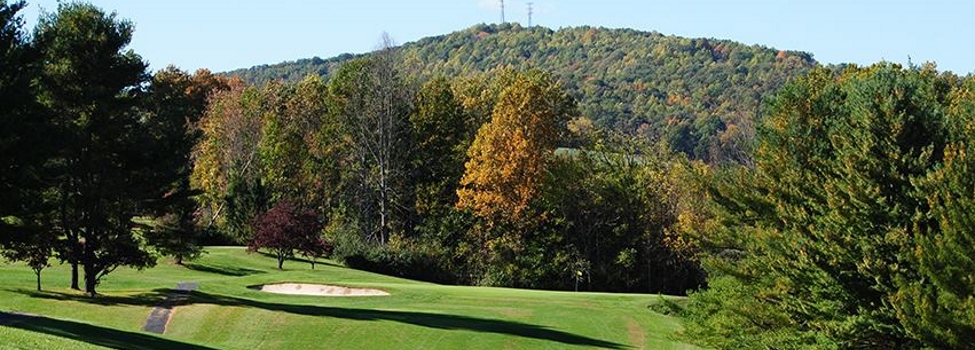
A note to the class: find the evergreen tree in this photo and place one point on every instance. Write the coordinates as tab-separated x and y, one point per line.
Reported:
94	88
15	91
938	305
828	219
25	145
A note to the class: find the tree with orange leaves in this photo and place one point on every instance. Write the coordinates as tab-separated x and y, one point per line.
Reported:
507	160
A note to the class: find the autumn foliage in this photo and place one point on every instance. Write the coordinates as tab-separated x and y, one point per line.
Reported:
508	157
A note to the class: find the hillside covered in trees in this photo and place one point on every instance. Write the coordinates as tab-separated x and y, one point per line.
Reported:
839	219
699	96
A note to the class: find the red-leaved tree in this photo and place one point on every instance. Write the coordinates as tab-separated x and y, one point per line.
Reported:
313	249
286	228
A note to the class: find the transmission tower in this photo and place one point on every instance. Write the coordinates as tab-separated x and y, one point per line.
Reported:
502	11
530	15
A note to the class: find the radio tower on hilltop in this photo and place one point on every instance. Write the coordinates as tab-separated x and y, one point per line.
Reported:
502	11
529	15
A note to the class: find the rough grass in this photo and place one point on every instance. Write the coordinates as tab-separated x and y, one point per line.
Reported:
225	314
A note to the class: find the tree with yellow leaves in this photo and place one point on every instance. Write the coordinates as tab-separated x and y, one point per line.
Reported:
507	160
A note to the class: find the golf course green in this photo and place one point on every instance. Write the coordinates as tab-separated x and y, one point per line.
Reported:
223	313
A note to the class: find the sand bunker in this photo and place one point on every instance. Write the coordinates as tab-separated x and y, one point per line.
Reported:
317	289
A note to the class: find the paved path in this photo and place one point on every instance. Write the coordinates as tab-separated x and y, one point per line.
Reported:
159	317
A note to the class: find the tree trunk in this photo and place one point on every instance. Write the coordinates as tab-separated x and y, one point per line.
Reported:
383	188
649	272
89	266
38	273
76	252
382	216
90	281
72	240
280	261
179	259
74	275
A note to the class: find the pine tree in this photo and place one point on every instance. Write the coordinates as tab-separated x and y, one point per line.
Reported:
26	145
815	237
938	304
94	86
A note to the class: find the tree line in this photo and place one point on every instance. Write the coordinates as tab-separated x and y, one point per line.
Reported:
452	180
699	96
449	180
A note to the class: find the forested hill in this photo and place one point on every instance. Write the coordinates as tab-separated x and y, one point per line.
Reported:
698	95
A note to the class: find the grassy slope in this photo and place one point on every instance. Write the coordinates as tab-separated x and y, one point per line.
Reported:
225	314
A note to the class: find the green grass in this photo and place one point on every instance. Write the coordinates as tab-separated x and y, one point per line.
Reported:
225	314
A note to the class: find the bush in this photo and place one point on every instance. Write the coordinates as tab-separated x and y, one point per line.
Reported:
407	260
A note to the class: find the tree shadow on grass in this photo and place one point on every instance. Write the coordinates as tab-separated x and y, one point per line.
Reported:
152	298
222	270
423	319
101	336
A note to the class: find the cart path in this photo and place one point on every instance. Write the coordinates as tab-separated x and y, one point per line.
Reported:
159	317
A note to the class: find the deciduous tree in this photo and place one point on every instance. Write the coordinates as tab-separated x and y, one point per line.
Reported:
177	101
297	163
31	245
373	99
226	162
439	132
506	164
508	157
286	228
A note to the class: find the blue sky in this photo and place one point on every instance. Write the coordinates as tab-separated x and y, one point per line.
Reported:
224	35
